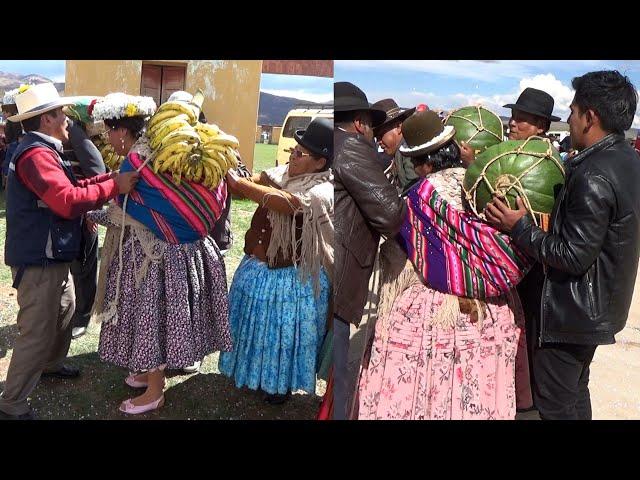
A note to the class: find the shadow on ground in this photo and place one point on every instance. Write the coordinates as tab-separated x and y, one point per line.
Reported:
204	396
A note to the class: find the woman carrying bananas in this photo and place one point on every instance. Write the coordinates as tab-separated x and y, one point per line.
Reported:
162	291
279	297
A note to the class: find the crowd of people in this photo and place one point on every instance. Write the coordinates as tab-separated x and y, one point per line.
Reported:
442	350
480	314
160	294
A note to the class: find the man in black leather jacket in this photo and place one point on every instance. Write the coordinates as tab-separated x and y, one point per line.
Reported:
366	206
591	253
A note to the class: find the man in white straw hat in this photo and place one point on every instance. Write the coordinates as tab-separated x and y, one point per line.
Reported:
45	208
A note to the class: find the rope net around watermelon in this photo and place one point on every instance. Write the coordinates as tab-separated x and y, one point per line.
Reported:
531	169
477	126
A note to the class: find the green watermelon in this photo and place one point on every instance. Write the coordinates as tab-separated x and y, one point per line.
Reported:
503	164
477	126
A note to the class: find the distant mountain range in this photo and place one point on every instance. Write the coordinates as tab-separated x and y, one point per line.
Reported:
9	81
273	109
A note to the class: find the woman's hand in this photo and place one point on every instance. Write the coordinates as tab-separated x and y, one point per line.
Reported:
232	179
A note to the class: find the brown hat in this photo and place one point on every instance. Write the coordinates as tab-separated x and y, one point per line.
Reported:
393	111
424	133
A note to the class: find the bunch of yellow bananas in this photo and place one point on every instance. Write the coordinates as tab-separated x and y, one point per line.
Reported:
199	152
111	159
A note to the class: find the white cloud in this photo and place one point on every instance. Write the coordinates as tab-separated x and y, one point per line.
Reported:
485	70
562	95
302	95
470	69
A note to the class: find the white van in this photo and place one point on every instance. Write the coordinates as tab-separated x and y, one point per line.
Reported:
298	119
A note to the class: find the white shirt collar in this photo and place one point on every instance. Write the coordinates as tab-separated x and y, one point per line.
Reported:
50	139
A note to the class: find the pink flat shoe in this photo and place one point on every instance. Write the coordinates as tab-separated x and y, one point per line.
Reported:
133	383
130	408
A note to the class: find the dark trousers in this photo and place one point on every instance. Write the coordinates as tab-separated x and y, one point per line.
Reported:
562	381
85	278
530	293
341	331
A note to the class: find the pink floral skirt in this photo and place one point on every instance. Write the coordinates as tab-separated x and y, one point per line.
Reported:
418	371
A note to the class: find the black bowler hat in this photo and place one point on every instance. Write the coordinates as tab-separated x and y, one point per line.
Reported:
317	138
535	102
348	98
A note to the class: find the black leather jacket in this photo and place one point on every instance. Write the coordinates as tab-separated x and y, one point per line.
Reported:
591	253
366	205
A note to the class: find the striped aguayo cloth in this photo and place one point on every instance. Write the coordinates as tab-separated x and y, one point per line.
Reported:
454	251
175	213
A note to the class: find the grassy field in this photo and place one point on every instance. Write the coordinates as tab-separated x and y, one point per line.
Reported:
99	391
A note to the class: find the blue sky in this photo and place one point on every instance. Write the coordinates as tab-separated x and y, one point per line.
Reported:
314	89
449	84
438	83
53	69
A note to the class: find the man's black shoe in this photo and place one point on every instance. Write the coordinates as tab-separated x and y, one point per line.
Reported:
64	372
30	415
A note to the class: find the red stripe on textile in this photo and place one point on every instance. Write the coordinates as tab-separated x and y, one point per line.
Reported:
198	205
486	257
165	227
183	209
218	197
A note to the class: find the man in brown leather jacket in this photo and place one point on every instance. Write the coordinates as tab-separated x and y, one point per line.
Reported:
366	206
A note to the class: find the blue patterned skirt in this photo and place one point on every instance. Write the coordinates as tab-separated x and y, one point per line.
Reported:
277	326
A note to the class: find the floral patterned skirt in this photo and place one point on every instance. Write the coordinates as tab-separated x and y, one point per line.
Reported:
277	326
175	315
420	371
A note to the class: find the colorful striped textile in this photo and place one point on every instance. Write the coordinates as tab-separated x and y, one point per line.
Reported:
454	251
176	214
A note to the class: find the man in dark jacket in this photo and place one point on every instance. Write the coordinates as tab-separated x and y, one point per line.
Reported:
86	162
389	137
591	254
366	206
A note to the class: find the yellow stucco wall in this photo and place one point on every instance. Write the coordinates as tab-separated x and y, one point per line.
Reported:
99	77
231	89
